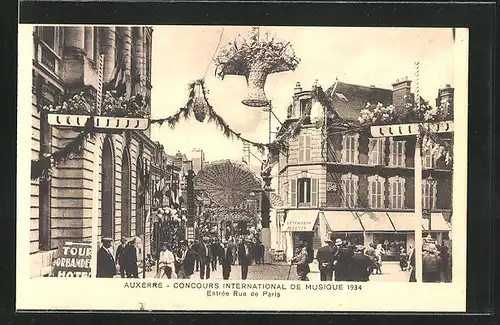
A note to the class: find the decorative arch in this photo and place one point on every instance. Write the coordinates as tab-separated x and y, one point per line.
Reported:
107	188
126	194
227	183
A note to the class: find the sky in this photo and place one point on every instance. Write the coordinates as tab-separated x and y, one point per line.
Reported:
363	56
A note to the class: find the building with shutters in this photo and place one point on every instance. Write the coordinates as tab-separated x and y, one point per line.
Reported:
62	207
349	185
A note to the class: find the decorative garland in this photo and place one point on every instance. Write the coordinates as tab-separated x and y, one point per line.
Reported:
42	168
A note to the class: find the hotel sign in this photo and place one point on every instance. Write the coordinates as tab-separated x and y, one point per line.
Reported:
74	260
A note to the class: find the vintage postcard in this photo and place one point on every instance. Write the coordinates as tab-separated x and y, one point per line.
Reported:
260	168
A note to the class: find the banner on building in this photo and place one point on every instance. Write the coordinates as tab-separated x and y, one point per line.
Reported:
73	260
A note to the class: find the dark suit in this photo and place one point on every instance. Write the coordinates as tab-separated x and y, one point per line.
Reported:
216	251
195	246
226	260
325	257
205	255
119	259
186	266
245	259
129	261
106	267
360	267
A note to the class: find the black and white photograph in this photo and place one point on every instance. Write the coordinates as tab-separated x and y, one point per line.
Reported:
221	164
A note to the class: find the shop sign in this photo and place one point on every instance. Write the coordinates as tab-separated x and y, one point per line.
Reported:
73	260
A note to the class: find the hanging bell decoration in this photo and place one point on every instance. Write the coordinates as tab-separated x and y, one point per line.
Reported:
200	105
255	59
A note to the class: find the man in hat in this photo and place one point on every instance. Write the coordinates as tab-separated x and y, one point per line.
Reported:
301	260
185	261
130	259
225	259
325	257
245	257
205	256
106	267
360	265
166	261
343	259
120	251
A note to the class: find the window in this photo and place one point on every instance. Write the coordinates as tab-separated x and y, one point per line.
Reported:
429	189
376	151
397	192
349	190
305	106
304	191
376	192
429	160
48	35
397	149
304	148
350	148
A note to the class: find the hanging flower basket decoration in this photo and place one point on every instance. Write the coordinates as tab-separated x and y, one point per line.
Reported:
199	103
255	59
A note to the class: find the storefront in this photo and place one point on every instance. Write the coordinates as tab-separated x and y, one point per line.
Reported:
302	225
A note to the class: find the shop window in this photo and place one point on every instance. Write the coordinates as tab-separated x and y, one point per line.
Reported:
397	156
429	190
397	192
376	151
376	191
349	190
304	148
350	148
392	244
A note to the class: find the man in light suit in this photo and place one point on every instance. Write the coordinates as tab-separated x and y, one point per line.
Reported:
106	267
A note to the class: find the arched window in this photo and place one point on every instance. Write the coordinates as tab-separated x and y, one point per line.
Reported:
125	195
107	190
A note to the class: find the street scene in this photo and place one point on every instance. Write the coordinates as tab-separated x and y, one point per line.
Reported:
242	153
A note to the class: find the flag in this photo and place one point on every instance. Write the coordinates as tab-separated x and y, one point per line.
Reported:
341	97
121	78
143	179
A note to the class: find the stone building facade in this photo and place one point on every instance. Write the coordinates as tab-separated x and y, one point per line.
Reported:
348	185
65	62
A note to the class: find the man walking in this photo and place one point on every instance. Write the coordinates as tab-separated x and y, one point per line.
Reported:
325	258
301	260
244	257
225	259
185	261
106	267
130	259
205	256
215	248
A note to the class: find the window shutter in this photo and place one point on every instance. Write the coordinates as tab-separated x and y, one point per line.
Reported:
372	148
293	193
307	148
314	192
301	148
344	149
381	151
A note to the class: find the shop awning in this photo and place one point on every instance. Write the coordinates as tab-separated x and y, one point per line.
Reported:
438	223
342	221
300	220
375	221
403	221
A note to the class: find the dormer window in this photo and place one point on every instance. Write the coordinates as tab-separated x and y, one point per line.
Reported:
305	106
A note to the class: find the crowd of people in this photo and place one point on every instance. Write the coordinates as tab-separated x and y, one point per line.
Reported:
206	255
340	261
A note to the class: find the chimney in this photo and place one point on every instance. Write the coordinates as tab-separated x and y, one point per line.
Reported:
298	88
445	100
400	89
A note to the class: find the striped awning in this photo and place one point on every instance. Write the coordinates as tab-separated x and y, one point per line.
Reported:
376	221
